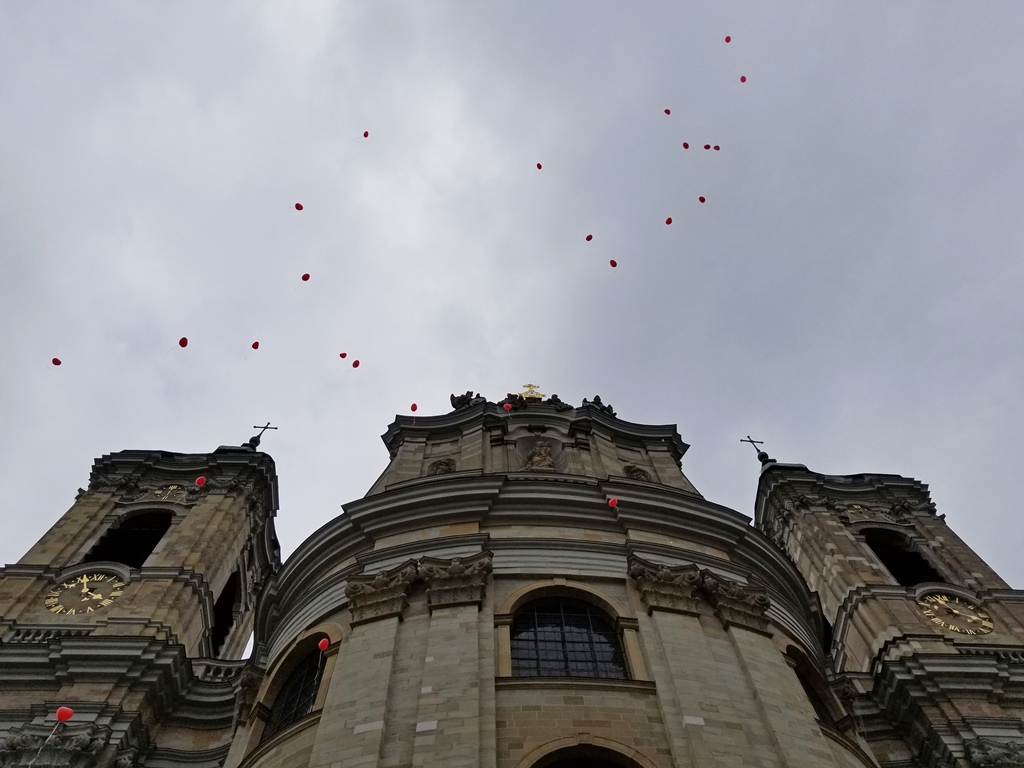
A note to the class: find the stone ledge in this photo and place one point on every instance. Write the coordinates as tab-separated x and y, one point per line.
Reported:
575	683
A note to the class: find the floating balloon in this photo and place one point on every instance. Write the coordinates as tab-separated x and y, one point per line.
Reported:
298	206
668	111
413	407
183	341
728	39
743	78
366	134
64	714
613	502
613	262
707	146
305	277
701	198
343	355
589	238
539	166
716	147
255	345
668	220
355	363
686	145
200	481
56	361
323	644
507	406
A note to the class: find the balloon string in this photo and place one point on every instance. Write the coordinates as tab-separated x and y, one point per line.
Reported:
43	745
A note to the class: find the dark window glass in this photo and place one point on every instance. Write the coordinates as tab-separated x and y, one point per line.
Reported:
907	567
565	638
224	613
298	694
133	541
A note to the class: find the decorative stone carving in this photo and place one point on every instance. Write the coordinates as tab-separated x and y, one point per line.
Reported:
671	589
596	403
684	588
382	595
246	688
41	747
988	753
441	467
856	513
459	581
467	400
558	403
781	522
127	759
540	457
735	603
633	472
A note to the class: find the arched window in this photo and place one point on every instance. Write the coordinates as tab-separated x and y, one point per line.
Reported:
905	565
559	637
224	613
133	541
296	697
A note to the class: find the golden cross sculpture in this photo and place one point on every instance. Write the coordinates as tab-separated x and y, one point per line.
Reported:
531	392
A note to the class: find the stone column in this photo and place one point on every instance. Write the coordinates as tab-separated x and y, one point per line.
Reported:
352	721
448	717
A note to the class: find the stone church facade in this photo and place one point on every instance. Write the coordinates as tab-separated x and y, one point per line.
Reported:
528	584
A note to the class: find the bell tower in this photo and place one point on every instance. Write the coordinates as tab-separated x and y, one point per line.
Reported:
133	603
925	640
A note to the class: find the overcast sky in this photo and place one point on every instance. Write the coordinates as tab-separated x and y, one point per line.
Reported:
849	293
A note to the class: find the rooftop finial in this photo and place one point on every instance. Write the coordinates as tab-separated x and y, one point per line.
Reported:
531	392
254	441
762	456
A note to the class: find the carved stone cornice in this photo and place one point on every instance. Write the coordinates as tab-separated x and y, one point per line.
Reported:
988	753
684	588
69	747
458	581
381	595
665	588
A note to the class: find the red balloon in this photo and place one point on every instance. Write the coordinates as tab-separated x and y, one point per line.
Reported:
538	166
56	361
200	481
183	342
707	146
613	262
716	147
613	502
255	345
668	111
507	406
743	78
355	363
343	355
413	408
686	145
701	198
366	134
64	714
323	644
298	206
589	238
305	277
668	220
728	39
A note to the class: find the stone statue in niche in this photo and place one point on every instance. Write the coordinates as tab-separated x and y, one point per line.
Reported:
540	457
633	472
441	467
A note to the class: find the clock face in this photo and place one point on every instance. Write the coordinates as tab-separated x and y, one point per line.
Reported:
87	593
954	614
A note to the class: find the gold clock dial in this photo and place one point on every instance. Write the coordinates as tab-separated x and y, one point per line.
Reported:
88	593
954	614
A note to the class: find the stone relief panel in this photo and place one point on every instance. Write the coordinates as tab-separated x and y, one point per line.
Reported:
542	454
633	472
988	753
67	747
441	467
